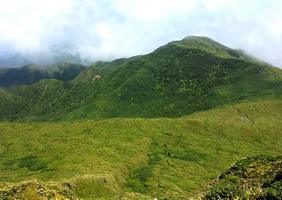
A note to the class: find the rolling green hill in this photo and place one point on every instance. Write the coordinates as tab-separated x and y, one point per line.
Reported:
177	79
139	158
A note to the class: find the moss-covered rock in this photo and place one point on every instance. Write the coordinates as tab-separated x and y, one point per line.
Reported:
36	191
256	177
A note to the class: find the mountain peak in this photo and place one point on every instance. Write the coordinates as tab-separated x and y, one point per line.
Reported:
204	44
212	47
198	38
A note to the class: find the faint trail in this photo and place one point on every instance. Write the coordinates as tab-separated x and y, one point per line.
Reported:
245	115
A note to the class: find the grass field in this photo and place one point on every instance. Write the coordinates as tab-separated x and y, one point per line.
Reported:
140	158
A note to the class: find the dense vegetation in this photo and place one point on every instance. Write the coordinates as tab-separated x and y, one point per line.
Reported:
167	124
175	80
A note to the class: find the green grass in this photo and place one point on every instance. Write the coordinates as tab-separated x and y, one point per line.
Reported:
32	163
140	158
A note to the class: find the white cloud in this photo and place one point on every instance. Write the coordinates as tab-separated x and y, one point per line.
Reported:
148	10
107	29
215	5
24	22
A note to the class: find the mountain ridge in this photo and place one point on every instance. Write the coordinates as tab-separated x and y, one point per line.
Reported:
172	81
30	74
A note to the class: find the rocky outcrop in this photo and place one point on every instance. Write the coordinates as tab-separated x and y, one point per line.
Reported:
256	177
36	191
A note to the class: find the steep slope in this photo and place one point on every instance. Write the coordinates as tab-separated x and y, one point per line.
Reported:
139	158
177	79
30	74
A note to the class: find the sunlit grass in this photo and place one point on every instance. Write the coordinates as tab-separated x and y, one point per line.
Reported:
172	158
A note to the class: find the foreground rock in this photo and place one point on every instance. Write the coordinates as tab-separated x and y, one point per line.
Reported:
36	191
257	177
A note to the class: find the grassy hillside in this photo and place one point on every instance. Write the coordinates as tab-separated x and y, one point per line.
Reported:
140	158
177	79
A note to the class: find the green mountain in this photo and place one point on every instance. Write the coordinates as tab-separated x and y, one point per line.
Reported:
177	79
164	125
30	74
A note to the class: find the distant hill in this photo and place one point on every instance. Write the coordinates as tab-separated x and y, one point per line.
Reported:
13	60
57	53
30	74
177	79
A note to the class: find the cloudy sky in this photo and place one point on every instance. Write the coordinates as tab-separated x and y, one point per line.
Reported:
109	29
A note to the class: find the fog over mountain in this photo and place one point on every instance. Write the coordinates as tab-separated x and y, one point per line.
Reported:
44	31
